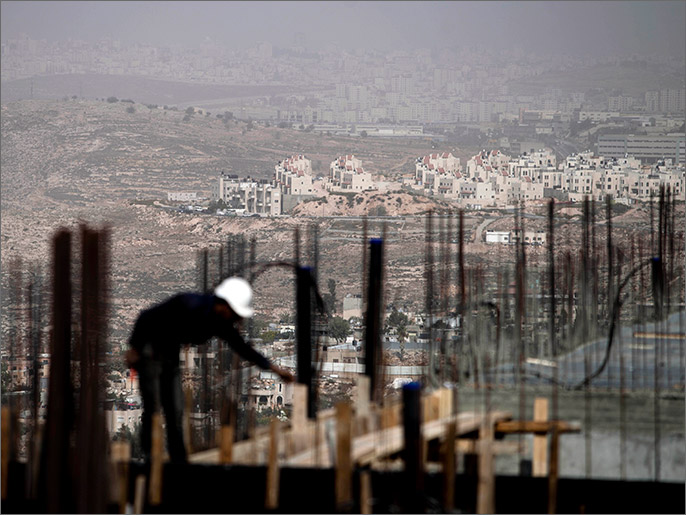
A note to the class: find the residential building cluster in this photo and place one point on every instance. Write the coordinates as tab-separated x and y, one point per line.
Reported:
292	182
489	179
502	181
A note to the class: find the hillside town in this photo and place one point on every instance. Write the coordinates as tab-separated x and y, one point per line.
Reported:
490	179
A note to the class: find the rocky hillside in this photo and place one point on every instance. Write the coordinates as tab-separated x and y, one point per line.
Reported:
369	204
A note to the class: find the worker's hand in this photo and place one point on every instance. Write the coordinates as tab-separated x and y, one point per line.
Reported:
283	373
132	357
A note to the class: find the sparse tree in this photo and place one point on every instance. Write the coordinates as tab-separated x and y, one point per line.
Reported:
330	297
130	109
339	329
378	211
397	322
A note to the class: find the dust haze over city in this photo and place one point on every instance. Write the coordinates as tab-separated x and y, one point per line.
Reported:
475	139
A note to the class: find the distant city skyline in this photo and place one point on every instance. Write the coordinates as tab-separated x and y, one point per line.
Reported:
574	28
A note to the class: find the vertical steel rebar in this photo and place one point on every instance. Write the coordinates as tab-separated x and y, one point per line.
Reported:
304	333
588	417
373	322
429	300
54	472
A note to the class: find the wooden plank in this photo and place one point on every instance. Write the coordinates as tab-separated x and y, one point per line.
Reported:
156	453
434	404
362	398
139	494
121	456
430	406
226	437
366	447
365	492
446	403
362	406
540	453
299	407
471	446
532	426
485	500
449	466
298	436
390	415
380	444
552	477
272	488
344	462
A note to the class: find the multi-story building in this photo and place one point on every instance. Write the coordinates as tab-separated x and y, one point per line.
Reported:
438	173
248	195
347	174
532	165
597	116
620	103
182	196
484	163
672	100
293	176
652	101
624	178
647	148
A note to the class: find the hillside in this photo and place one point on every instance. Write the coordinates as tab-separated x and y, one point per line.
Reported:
369	203
68	162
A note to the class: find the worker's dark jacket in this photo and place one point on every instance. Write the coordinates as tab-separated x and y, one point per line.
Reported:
187	318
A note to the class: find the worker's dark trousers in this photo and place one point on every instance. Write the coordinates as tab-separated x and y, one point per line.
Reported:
160	385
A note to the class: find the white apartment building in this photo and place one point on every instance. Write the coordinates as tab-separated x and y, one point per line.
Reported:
532	164
652	148
438	173
597	116
620	103
625	177
293	176
249	195
484	163
497	236
182	196
347	174
530	237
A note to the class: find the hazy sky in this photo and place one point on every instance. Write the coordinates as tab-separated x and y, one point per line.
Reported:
577	27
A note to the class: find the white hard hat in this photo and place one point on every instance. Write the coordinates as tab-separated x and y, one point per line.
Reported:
237	293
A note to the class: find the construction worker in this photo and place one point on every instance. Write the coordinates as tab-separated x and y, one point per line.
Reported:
159	333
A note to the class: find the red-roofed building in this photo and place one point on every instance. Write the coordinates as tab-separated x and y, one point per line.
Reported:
347	174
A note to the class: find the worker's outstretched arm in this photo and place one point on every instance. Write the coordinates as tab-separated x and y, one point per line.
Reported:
234	339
